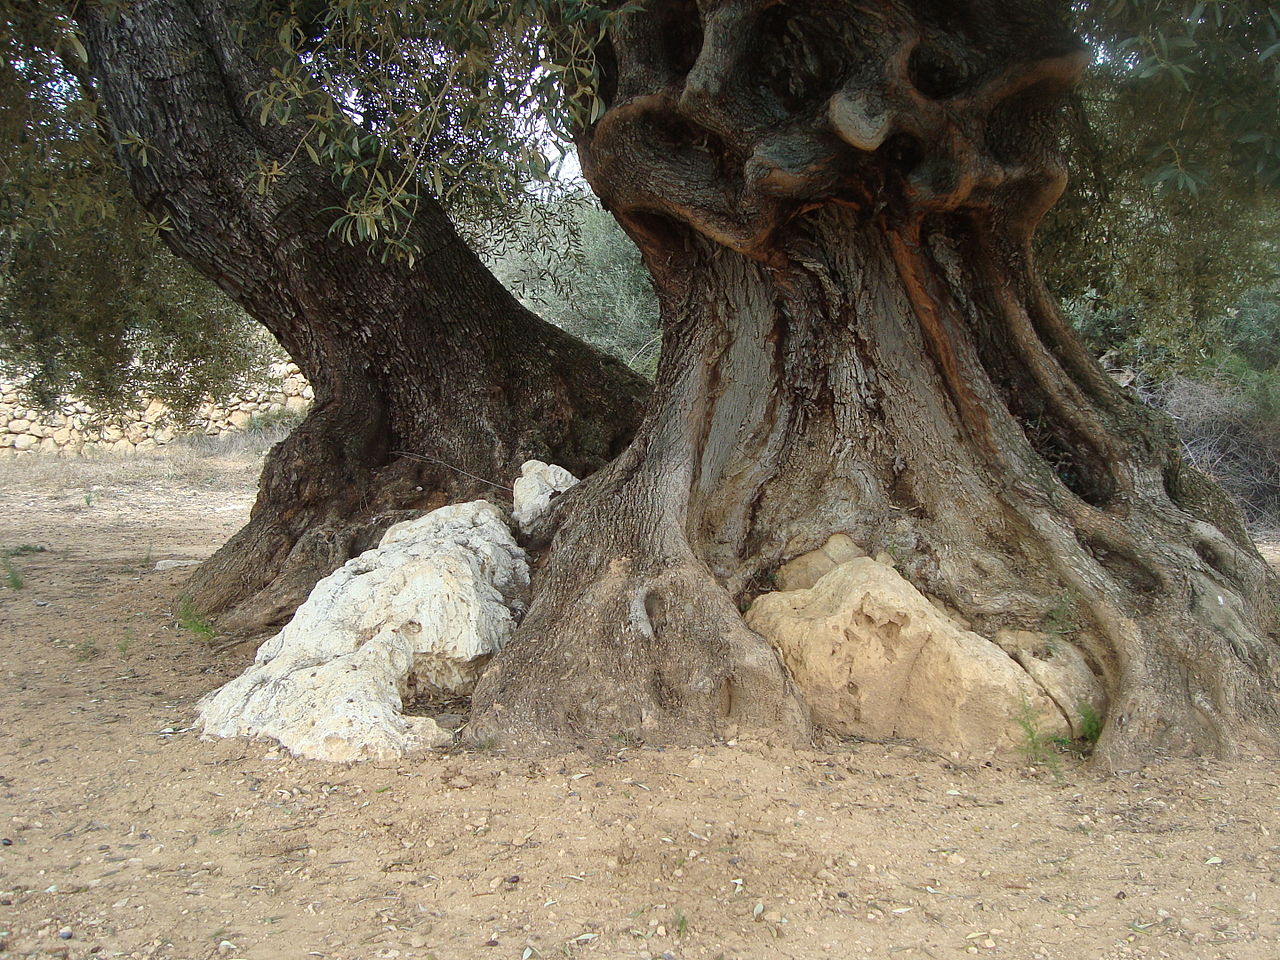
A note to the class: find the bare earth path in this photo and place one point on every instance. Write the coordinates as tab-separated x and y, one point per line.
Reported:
135	838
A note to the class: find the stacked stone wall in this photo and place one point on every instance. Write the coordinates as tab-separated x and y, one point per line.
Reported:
74	426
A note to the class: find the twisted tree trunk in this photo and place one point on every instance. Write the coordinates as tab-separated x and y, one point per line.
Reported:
431	382
836	201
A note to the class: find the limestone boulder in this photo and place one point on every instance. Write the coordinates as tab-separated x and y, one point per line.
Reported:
874	658
805	570
420	614
532	492
1062	670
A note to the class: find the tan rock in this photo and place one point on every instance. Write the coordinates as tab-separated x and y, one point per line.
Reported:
239	419
874	658
163	434
145	444
122	446
62	437
112	434
155	411
136	432
23	441
805	570
47	445
1061	669
296	404
19	425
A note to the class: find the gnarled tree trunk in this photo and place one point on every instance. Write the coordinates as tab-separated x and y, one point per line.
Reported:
836	201
431	382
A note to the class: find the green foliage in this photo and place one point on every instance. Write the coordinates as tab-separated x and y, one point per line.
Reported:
1173	153
273	423
1037	746
12	575
1252	328
1090	724
1199	80
464	100
107	315
588	279
190	619
91	303
1061	619
22	550
13	578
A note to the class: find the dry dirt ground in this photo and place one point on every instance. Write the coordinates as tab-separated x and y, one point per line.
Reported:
125	834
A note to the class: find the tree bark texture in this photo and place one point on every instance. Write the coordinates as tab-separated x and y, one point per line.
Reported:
431	382
836	201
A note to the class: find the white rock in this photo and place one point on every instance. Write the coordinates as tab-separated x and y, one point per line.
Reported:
175	564
421	612
874	658
532	492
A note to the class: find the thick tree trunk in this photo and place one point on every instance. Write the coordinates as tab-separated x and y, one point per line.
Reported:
836	201
431	382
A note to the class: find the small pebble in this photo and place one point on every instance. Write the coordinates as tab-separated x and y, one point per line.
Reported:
64	934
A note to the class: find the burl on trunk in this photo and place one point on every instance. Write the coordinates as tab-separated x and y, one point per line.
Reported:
836	201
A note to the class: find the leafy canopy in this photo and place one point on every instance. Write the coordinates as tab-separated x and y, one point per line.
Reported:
90	301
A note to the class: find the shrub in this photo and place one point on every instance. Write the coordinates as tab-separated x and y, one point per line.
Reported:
1230	428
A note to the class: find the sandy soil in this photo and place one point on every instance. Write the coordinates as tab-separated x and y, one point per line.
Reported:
126	835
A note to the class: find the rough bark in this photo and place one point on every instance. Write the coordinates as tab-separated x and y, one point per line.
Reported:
431	382
836	200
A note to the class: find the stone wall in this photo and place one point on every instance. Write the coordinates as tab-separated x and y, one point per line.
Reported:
74	425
